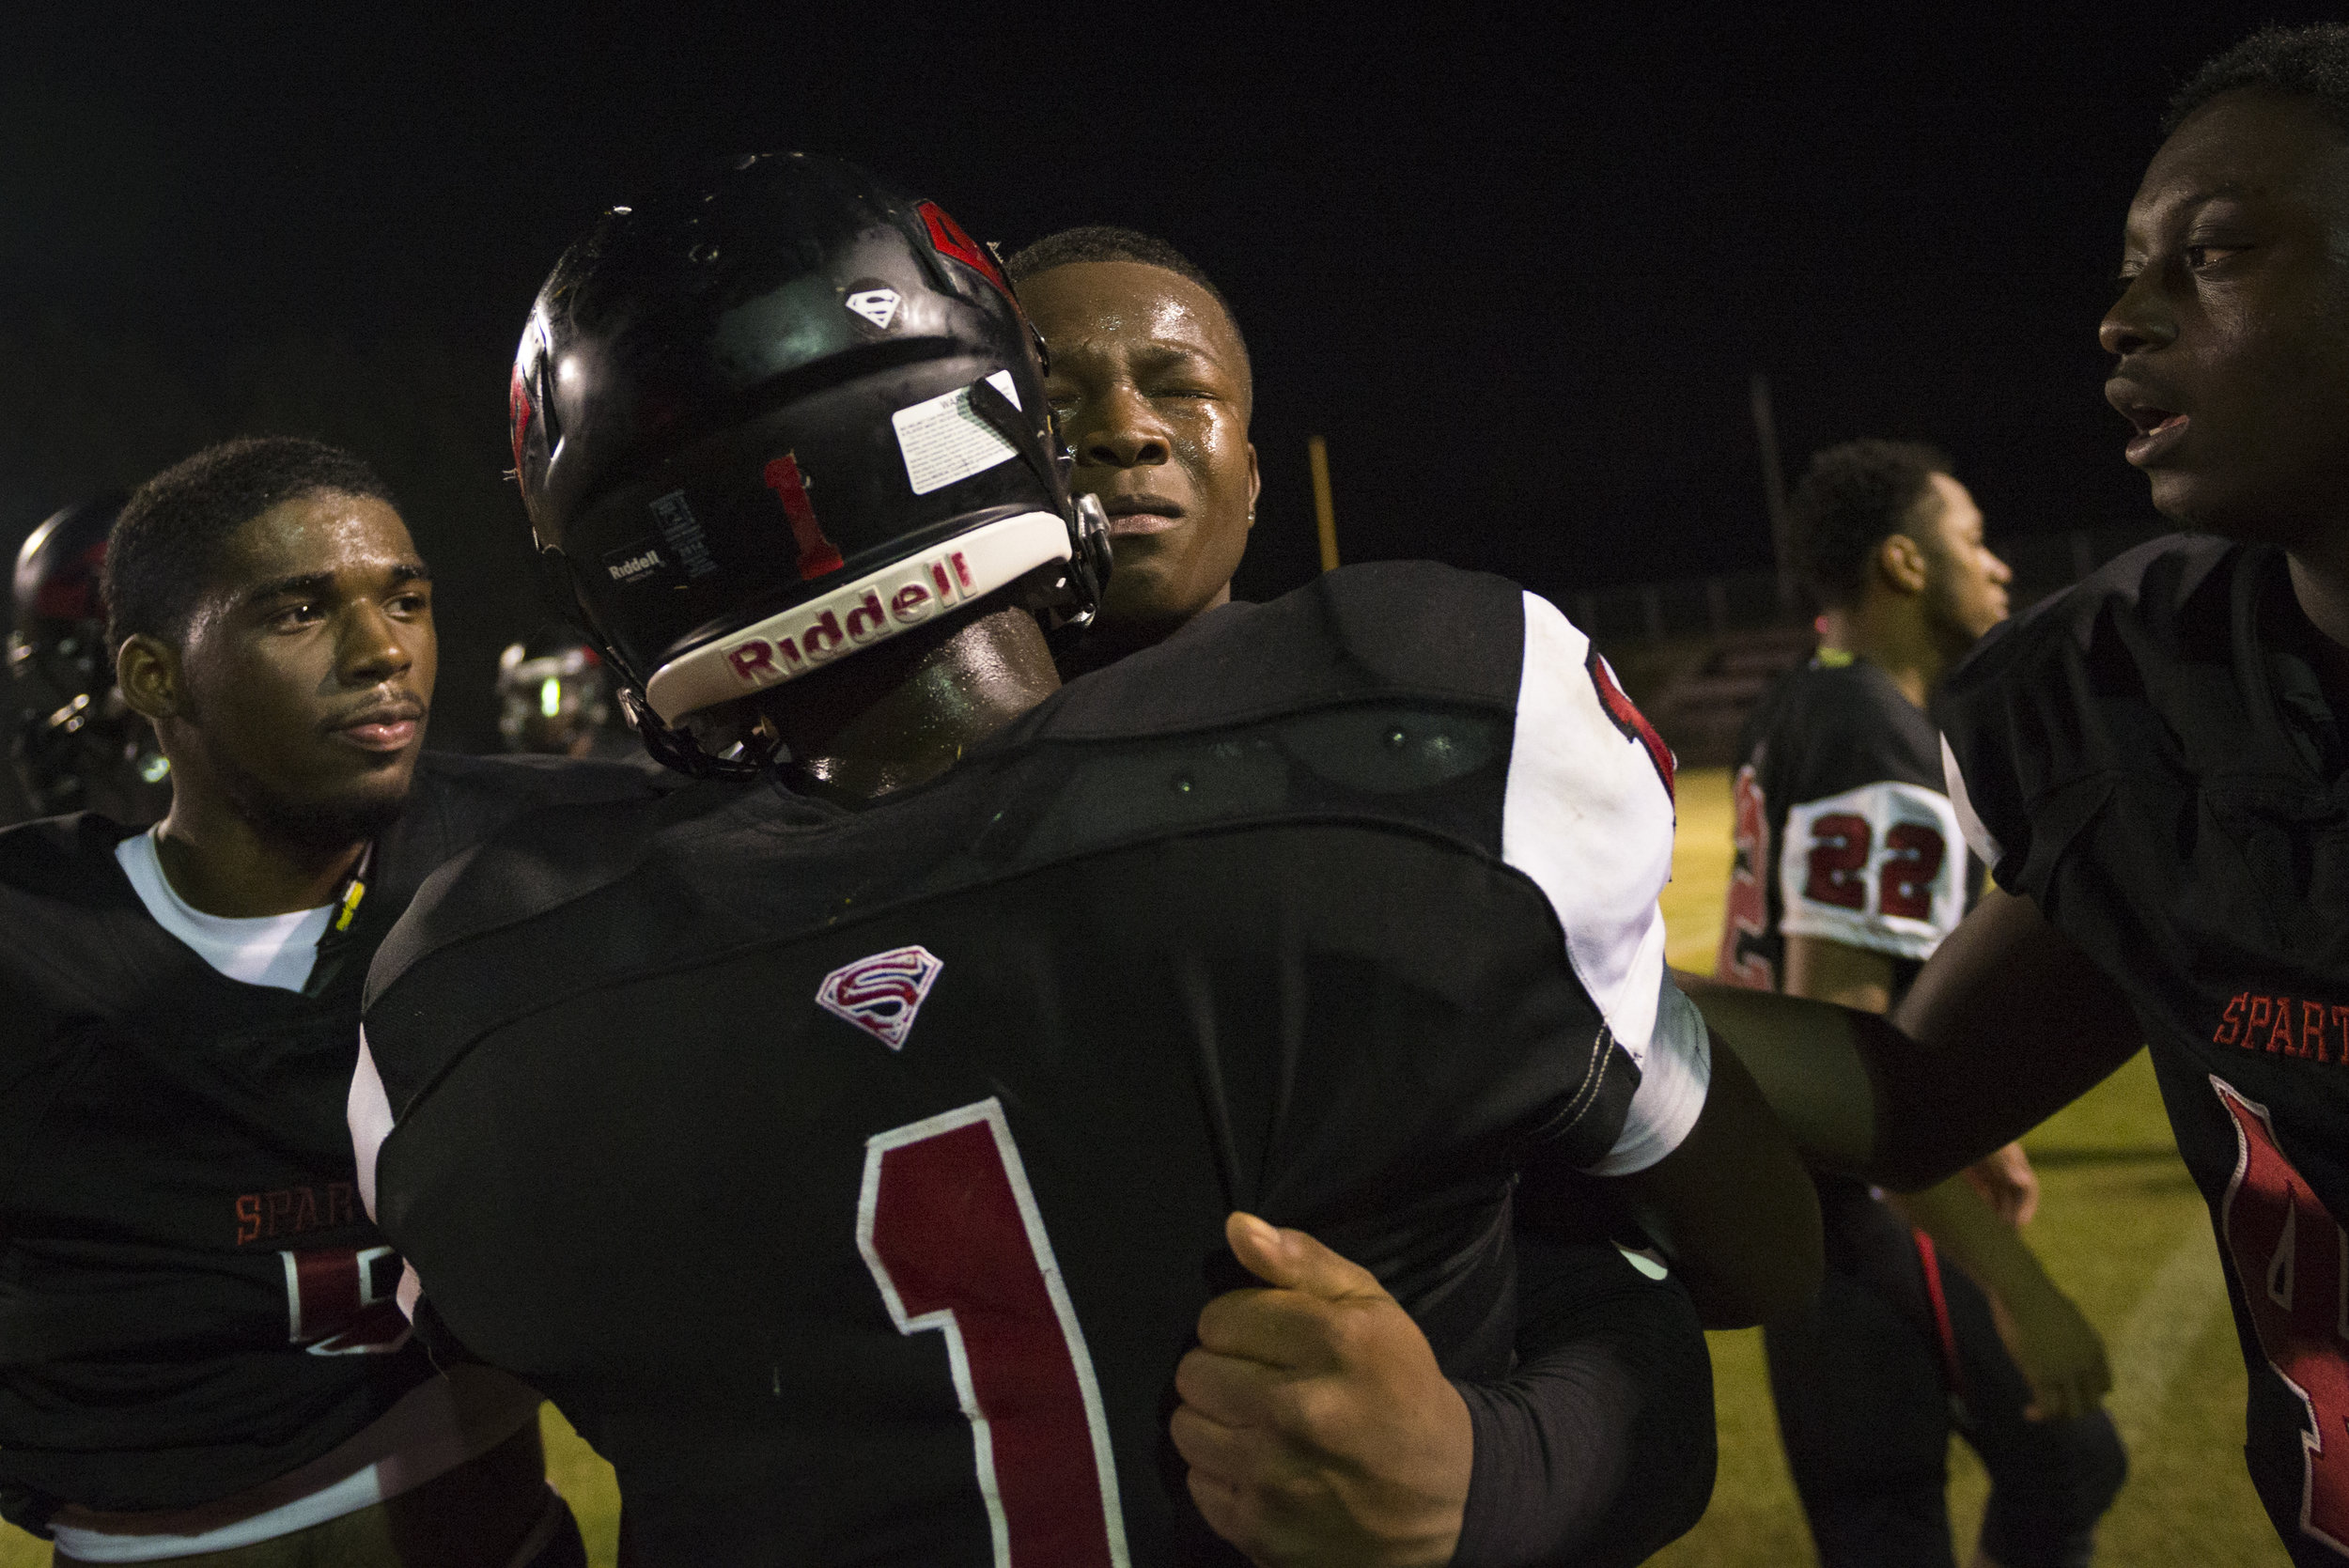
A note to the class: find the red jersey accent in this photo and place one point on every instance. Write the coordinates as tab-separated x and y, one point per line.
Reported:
2287	1253
1628	718
1749	913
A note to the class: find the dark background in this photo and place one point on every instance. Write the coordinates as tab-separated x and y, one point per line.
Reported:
1517	276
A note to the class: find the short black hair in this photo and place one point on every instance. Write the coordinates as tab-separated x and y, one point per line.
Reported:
2310	62
1852	498
166	547
1108	242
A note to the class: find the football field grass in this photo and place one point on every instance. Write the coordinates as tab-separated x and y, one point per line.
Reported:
2121	1227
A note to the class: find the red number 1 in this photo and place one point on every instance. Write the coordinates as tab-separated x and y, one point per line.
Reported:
817	554
340	1302
2290	1259
951	1231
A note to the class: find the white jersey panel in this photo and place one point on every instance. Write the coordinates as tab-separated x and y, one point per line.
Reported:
1586	816
369	1110
1881	867
1978	837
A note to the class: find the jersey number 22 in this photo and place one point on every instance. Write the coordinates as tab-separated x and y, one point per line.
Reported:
951	1231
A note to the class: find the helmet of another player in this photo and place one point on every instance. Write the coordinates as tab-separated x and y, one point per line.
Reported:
760	426
553	695
76	743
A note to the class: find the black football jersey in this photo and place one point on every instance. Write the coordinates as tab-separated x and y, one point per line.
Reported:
2149	759
1843	827
193	1300
854	1180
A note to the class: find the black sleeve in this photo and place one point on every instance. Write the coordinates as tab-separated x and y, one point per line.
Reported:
1599	1448
2053	708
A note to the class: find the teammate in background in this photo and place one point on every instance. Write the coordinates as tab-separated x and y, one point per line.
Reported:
2152	765
921	1086
201	1358
76	746
1150	385
1850	870
555	698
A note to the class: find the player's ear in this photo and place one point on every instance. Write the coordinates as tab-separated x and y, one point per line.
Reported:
1901	562
148	672
1255	484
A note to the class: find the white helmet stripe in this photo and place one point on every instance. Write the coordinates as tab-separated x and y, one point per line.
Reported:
871	609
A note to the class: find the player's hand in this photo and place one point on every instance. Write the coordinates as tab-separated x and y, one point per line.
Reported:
2061	1354
2008	1183
1316	1424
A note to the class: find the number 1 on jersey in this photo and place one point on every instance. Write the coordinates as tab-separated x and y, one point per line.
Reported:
951	1231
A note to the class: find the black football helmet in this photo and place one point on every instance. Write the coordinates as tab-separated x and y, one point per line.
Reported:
554	695
76	744
762	425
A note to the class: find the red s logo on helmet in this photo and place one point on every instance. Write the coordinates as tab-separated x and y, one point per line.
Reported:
947	238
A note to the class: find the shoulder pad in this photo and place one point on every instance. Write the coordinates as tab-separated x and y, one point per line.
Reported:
2053	705
1396	627
538	860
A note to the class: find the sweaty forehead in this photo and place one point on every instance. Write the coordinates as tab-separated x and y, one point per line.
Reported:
2255	146
1101	307
325	530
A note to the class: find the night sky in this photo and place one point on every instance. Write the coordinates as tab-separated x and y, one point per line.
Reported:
1517	279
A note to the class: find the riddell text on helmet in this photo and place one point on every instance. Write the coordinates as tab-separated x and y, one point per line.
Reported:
915	592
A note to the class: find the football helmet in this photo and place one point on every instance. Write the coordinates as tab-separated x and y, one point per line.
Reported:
76	745
761	425
554	695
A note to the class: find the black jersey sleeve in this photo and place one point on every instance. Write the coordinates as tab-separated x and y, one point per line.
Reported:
2052	706
1599	1448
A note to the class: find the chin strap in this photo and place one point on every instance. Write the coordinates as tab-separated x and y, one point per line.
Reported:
673	749
1088	525
1065	626
677	751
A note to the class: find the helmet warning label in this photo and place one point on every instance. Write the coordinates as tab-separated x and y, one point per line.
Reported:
942	441
683	530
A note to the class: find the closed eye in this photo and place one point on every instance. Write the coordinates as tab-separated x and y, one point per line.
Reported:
2200	257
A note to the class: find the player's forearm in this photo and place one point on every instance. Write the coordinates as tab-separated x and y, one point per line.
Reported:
1733	1207
1808	1058
1599	1448
1967	1230
1859	1093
